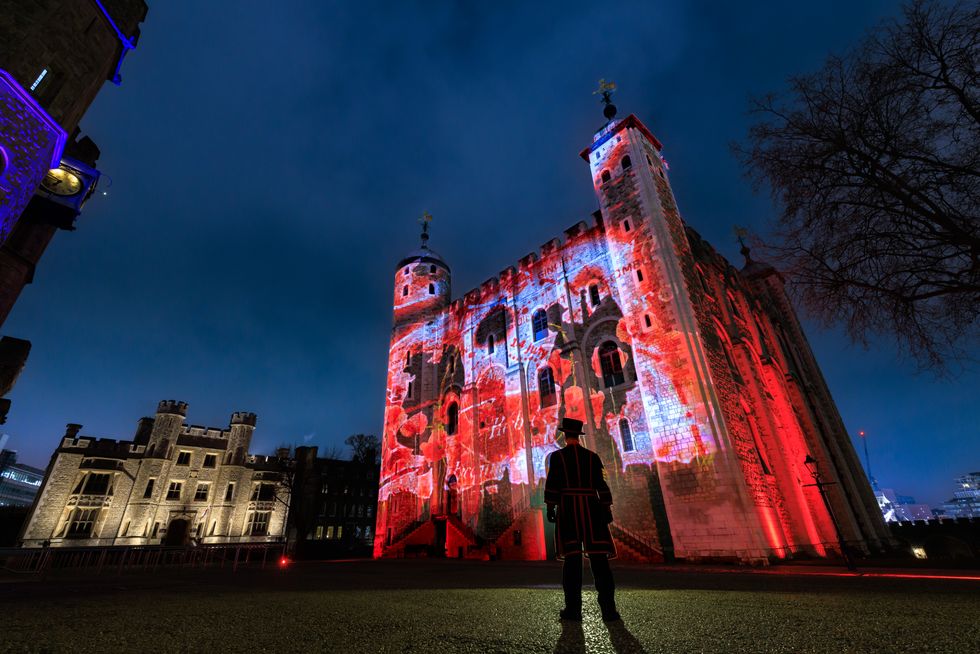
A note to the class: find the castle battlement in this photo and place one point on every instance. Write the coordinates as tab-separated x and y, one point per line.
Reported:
243	418
173	407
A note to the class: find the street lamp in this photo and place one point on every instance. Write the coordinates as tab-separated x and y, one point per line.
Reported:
811	466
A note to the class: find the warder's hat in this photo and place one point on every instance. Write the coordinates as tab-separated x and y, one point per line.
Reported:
571	427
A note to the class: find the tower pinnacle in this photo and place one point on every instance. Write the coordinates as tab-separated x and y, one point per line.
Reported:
605	90
424	221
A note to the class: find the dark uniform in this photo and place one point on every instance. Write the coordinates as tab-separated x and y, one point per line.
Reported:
579	500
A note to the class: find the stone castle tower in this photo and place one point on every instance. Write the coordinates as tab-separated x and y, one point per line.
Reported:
694	379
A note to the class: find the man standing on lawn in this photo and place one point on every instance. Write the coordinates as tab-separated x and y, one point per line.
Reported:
580	504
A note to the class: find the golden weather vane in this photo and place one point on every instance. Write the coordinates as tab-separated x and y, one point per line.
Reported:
605	90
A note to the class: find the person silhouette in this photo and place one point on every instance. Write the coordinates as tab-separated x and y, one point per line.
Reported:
580	504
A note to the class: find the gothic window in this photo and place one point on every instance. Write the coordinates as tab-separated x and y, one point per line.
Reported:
230	492
611	365
639	275
594	295
626	226
647	321
98	484
539	324
626	435
452	419
605	176
258	523
210	460
149	488
173	493
546	387
733	305
627	162
81	522
184	458
432	289
405	291
490	344
201	494
263	492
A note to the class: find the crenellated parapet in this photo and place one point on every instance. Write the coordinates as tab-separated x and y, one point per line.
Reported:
172	407
243	418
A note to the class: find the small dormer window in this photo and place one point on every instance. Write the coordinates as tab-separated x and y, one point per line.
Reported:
432	289
605	176
594	295
627	162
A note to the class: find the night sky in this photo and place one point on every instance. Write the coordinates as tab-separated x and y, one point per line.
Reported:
268	164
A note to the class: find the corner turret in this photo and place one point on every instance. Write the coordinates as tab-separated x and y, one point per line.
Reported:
166	427
422	282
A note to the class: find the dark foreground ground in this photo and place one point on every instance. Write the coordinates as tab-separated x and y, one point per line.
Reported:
451	606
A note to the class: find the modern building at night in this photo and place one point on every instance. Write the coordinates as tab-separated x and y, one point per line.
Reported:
694	379
55	55
965	502
172	483
901	508
19	483
332	510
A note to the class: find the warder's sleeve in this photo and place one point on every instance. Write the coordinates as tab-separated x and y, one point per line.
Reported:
555	481
599	474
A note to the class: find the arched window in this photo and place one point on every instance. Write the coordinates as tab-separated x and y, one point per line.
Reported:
452	419
594	295
546	387
626	435
490	344
406	271
539	324
626	225
432	289
405	291
611	365
627	162
605	176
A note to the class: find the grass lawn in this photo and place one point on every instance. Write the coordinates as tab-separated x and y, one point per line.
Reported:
518	620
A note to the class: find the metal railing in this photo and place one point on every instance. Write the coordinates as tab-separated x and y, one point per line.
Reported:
121	558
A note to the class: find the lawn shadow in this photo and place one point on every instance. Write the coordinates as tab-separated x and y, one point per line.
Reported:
572	638
623	641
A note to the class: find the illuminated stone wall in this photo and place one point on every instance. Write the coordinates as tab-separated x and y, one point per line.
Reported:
666	352
124	513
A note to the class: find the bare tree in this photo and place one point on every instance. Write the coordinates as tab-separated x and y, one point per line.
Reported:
364	448
874	162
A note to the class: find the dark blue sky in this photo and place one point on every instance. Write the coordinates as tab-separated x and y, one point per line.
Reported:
268	163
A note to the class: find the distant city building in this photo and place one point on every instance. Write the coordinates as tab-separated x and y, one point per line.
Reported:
694	379
965	502
19	483
172	483
901	508
333	504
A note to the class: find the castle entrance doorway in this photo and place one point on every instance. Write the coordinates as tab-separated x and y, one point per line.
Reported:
178	532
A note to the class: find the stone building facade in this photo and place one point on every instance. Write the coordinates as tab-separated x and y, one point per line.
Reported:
694	379
332	511
172	483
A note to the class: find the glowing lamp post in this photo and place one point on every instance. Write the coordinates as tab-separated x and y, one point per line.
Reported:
811	466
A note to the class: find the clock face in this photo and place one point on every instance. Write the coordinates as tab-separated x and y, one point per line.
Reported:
61	182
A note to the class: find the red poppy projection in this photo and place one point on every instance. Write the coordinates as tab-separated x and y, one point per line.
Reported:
693	381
